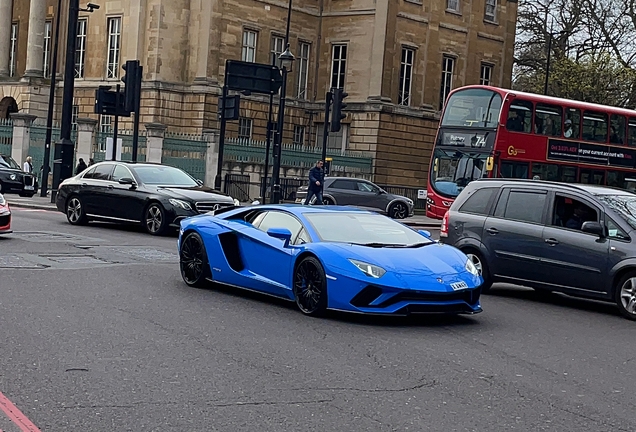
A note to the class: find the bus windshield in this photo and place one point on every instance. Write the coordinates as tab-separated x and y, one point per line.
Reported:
477	108
454	169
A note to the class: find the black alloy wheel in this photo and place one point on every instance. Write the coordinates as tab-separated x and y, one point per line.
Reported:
310	287
155	219
399	210
193	261
327	201
75	213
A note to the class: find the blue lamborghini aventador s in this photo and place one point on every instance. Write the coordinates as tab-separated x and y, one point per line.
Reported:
328	257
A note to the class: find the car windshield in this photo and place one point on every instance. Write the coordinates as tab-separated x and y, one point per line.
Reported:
164	176
8	162
454	169
624	205
477	108
364	229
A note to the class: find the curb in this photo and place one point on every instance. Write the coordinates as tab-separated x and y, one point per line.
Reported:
32	206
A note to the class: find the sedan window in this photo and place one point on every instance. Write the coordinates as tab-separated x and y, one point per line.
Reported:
121	172
367	187
90	173
102	172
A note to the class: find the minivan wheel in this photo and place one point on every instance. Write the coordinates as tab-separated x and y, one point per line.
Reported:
626	296
482	266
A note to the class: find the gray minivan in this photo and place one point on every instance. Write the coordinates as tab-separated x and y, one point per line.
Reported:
572	238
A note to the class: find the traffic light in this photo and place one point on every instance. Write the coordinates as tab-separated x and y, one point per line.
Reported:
336	109
231	106
132	80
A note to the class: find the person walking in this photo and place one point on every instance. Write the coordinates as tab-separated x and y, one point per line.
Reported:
316	178
28	165
81	166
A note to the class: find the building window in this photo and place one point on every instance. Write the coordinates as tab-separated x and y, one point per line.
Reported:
338	66
80	49
14	49
452	5
448	66
105	123
248	53
278	46
336	141
74	116
114	41
485	75
303	69
46	49
491	10
406	74
245	128
299	134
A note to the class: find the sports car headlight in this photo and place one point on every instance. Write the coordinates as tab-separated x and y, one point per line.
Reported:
370	270
181	204
471	268
237	203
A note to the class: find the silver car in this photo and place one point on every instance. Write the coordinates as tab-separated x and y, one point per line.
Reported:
363	194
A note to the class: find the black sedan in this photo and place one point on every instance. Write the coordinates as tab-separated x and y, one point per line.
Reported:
14	180
154	195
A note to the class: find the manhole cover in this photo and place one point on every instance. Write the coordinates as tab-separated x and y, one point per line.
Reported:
75	259
18	262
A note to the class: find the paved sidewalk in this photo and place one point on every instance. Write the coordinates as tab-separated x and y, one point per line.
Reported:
38	202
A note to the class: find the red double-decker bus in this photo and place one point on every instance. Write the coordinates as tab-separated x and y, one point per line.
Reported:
493	132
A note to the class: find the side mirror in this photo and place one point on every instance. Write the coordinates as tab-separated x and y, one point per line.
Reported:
126	181
426	234
280	233
593	228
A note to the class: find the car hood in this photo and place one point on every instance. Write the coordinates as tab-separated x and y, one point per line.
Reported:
201	193
432	260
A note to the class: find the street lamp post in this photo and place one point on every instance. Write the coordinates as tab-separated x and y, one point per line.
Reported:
64	148
286	61
46	169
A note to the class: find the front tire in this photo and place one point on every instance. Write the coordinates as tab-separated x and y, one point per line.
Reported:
626	296
75	213
193	261
310	287
482	266
399	210
328	201
155	219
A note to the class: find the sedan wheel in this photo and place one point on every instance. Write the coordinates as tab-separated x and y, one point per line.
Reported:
626	296
155	220
75	211
310	287
399	210
193	261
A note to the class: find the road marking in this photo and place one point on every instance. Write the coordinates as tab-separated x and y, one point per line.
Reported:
16	415
22	209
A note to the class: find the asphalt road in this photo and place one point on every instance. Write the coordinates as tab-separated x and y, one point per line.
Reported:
100	334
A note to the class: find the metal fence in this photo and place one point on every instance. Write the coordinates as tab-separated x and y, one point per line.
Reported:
288	187
6	136
37	145
187	152
409	192
297	156
126	135
237	186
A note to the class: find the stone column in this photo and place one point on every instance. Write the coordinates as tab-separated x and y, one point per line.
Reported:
6	15
21	136
211	156
85	133
154	141
35	41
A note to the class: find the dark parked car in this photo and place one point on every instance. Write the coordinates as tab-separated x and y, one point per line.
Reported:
572	238
363	194
157	196
14	180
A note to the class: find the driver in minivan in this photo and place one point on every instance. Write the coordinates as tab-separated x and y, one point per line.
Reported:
578	217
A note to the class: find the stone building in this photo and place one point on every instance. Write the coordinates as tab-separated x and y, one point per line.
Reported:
397	59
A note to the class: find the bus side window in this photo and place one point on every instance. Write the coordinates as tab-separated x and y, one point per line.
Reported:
520	116
595	126
632	132
572	123
548	120
617	130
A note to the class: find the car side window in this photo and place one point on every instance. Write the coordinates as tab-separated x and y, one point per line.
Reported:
344	184
102	172
121	172
367	187
614	231
571	213
302	237
478	202
90	173
526	206
276	219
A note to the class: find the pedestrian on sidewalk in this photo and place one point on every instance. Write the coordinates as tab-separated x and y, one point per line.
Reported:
316	179
91	162
81	166
28	165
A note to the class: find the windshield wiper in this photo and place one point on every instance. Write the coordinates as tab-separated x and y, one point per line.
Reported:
416	245
381	245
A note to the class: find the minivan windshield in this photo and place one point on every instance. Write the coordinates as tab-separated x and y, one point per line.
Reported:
624	205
